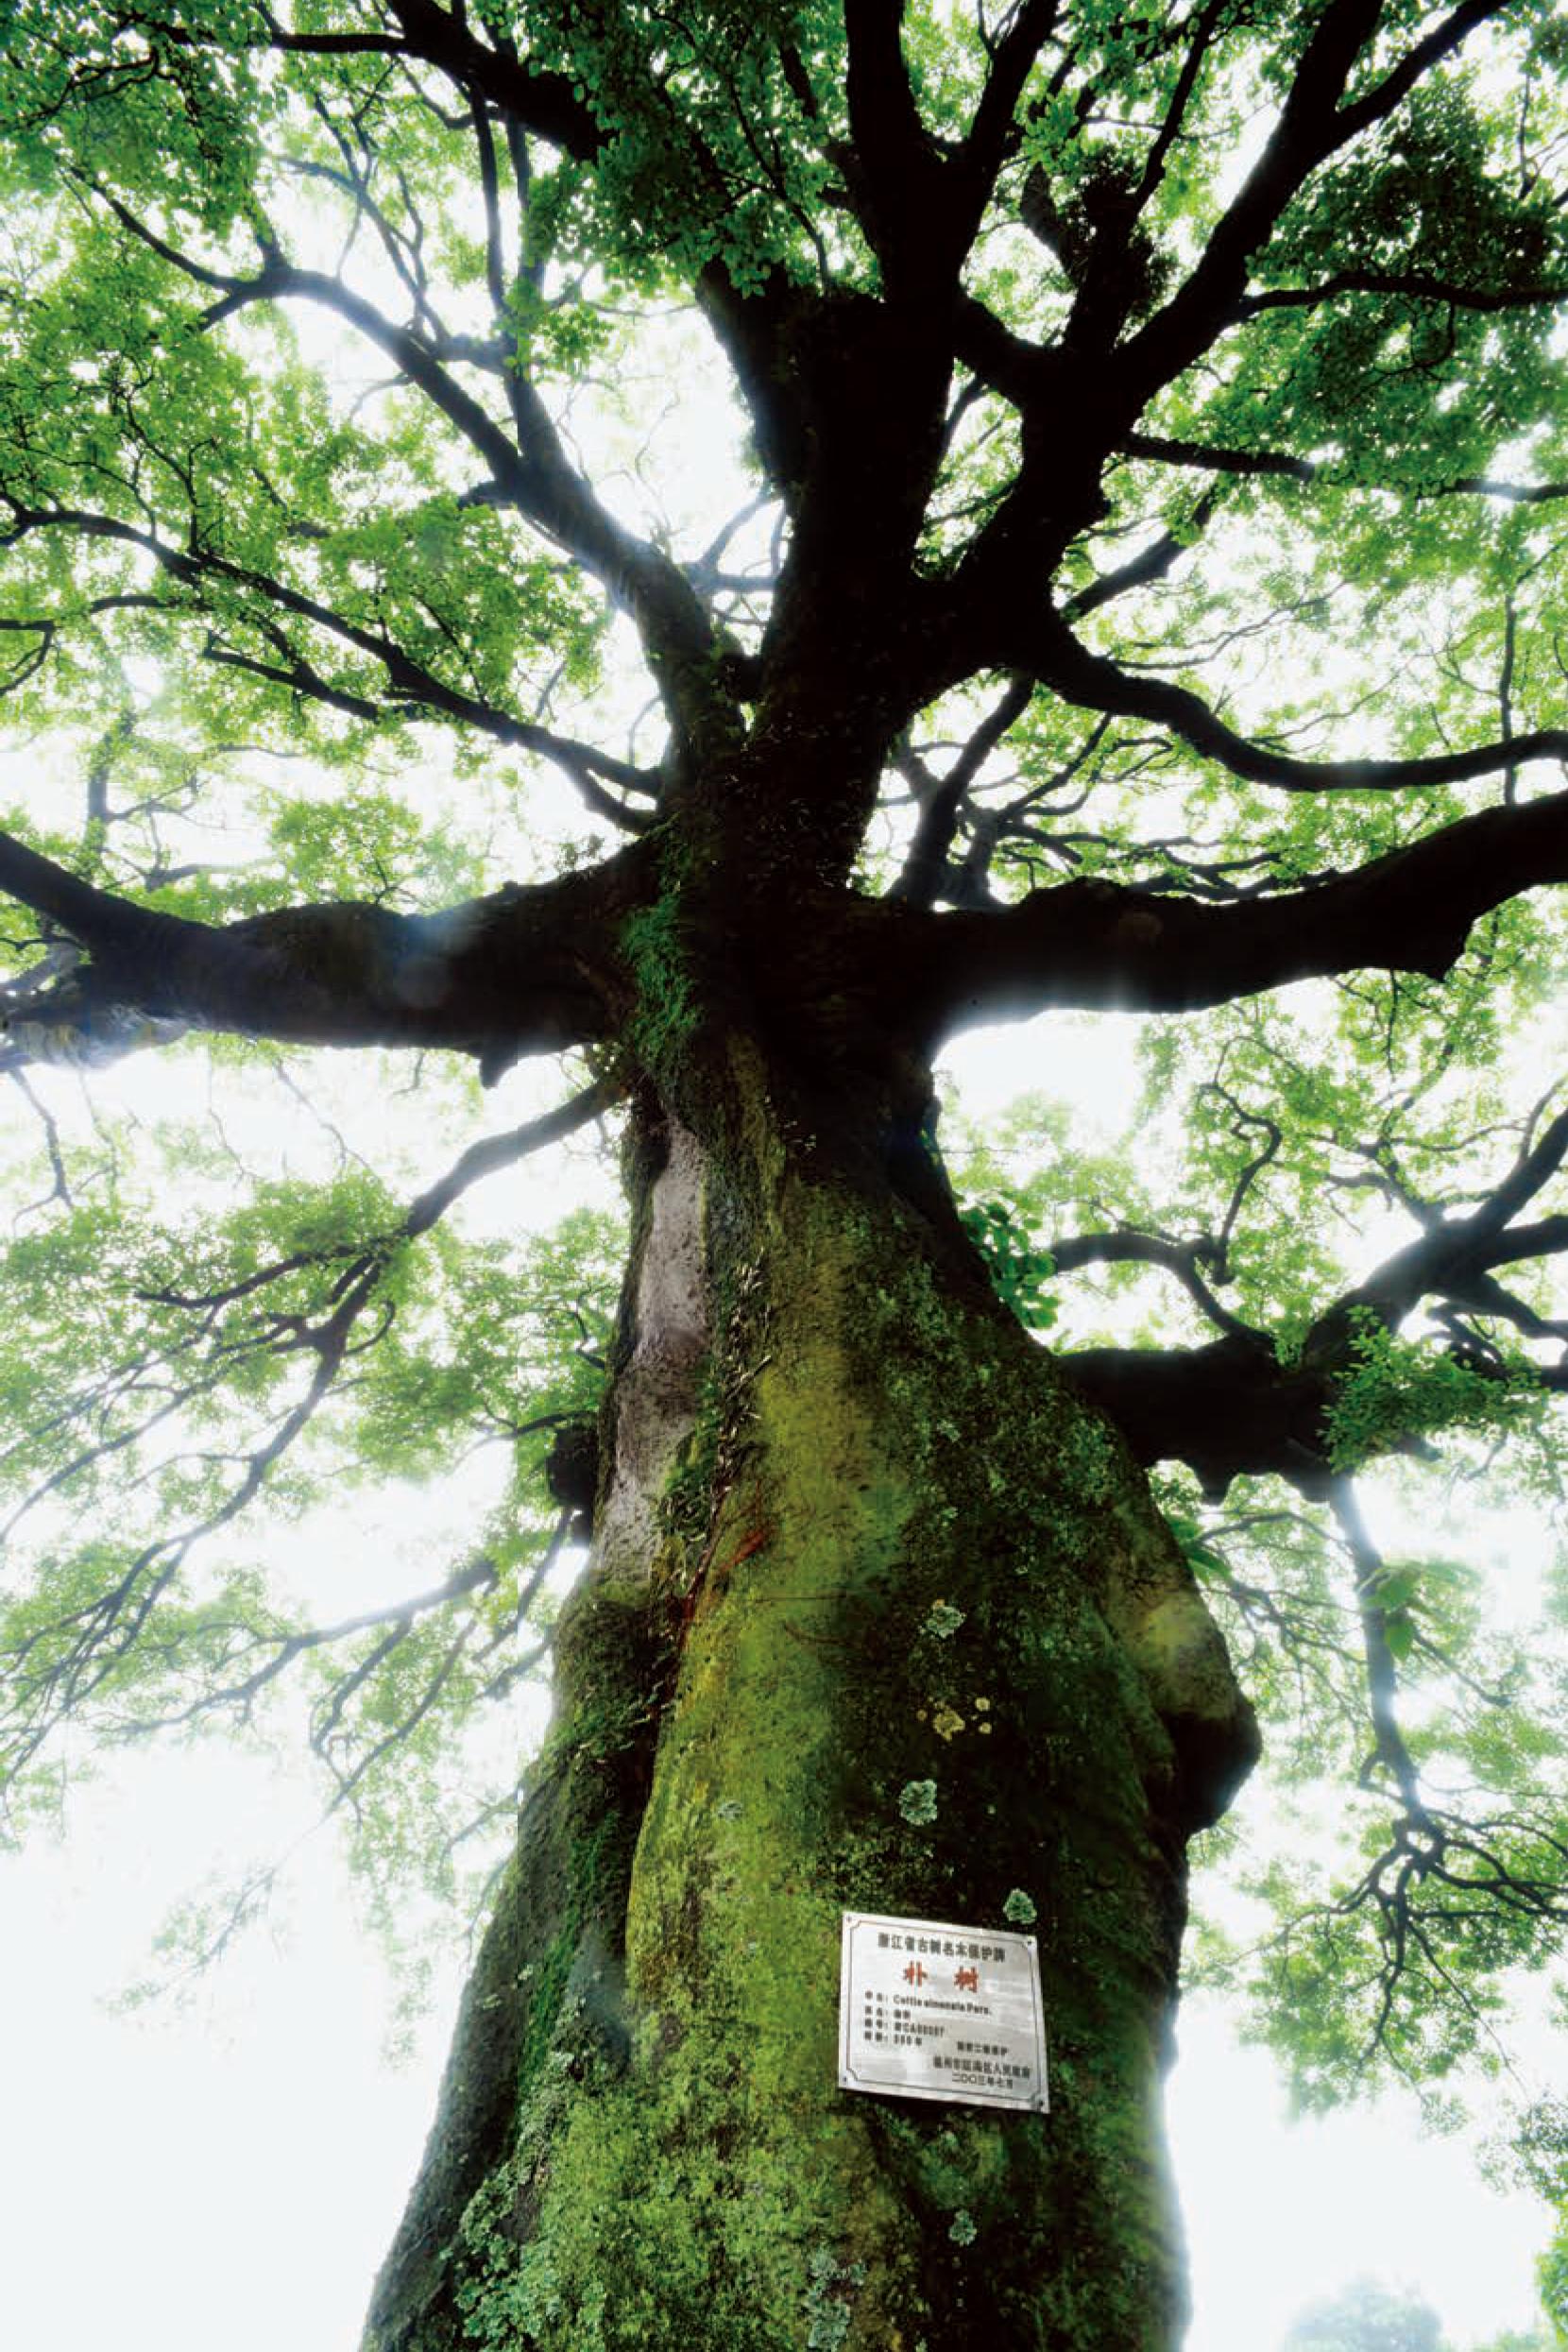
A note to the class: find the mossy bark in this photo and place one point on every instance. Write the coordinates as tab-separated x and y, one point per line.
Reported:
855	1532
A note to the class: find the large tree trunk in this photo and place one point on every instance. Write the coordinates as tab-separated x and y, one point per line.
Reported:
826	1439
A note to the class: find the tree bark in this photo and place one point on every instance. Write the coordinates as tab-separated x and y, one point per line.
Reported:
853	1532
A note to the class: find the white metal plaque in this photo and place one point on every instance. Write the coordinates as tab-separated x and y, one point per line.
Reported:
928	2010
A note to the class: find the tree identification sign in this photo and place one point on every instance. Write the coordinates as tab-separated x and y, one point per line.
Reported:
928	2010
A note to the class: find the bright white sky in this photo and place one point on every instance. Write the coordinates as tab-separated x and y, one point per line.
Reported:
232	2172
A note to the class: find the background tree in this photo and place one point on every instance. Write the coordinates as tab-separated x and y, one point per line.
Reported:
1367	2318
1132	398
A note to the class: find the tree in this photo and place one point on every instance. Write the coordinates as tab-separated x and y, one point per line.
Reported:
1536	2157
1367	2318
1134	397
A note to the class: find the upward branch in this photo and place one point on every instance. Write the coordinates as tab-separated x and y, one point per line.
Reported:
1088	679
538	101
529	467
1236	1407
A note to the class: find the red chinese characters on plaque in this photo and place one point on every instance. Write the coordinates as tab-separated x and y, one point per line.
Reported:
928	2010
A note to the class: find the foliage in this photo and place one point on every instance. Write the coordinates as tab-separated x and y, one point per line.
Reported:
1396	1394
1367	2317
1019	1269
1534	2156
275	1358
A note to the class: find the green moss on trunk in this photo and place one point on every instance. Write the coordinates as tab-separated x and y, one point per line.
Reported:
895	1556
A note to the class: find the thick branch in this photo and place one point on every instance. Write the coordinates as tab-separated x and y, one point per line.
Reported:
1210	457
1454	1258
532	472
539	101
1228	1411
1389	1749
1099	944
1231	1407
1184	1259
1078	675
1313	125
1152	563
523	971
993	132
920	881
536	478
1418	285
897	170
1082	399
